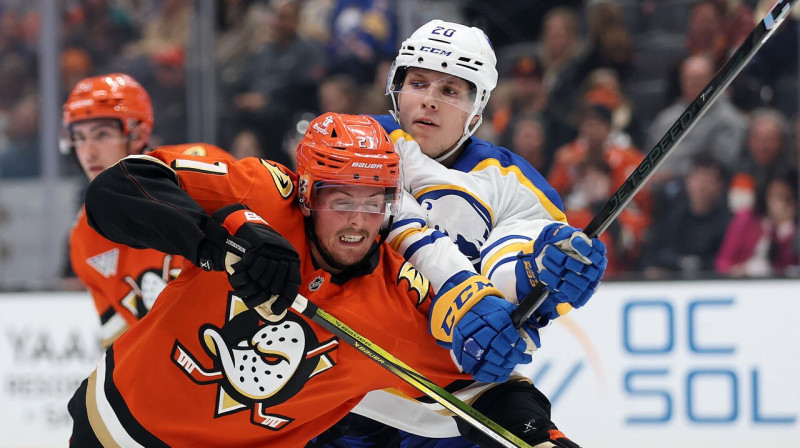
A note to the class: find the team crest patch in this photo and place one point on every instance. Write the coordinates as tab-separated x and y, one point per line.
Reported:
256	365
416	281
105	263
282	180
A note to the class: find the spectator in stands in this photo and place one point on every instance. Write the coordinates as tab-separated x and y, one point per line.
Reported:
373	99
595	141
624	236
236	38
17	61
279	80
339	93
102	28
608	45
74	65
362	33
528	139
524	94
168	90
561	43
720	134
602	86
170	27
687	238
19	153
705	36
761	242
747	91
766	154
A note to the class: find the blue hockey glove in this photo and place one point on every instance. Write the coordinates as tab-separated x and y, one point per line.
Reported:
486	344
568	263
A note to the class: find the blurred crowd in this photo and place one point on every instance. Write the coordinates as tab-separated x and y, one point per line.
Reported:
586	89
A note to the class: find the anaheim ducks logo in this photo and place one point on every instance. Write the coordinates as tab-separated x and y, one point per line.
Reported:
146	289
196	151
416	281
281	179
257	365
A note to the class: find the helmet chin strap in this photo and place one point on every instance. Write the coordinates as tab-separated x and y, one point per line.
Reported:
467	134
468	130
312	235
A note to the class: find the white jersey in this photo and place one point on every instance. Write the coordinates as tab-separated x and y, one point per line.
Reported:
489	203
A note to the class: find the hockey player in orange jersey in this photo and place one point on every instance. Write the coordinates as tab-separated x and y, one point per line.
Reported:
205	369
107	118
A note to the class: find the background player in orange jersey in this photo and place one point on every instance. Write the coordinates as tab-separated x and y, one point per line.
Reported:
204	369
107	118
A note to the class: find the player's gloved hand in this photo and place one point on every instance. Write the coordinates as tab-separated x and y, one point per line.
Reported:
263	268
568	263
520	408
486	344
471	317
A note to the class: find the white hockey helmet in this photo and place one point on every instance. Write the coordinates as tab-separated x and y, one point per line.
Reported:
450	48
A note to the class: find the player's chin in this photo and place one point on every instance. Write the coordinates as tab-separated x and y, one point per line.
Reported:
350	256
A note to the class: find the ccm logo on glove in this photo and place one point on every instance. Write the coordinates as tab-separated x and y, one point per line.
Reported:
454	299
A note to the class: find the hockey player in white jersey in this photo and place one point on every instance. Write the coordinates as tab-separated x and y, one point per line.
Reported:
492	203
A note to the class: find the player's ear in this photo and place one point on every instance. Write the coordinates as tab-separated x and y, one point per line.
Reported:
474	120
306	211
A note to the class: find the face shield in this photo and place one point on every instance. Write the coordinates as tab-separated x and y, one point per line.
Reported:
446	90
103	133
346	198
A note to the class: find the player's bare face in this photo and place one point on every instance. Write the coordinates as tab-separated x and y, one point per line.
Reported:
433	108
347	221
98	145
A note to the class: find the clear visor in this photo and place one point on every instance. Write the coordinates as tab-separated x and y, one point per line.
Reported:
448	90
354	198
103	136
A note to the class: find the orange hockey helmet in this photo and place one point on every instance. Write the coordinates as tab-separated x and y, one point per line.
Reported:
115	95
345	149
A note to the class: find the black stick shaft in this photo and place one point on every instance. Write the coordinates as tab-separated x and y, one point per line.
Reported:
763	30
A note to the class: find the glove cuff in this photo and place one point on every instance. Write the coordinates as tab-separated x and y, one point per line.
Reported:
218	229
233	216
456	297
211	250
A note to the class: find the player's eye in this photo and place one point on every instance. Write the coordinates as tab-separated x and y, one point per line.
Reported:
374	206
102	136
342	204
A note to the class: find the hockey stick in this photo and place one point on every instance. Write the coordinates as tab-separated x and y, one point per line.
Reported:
670	140
407	374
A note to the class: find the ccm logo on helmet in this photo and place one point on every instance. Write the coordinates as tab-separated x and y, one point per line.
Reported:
376	166
435	50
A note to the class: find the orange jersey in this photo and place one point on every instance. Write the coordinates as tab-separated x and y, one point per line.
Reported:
622	160
124	282
202	370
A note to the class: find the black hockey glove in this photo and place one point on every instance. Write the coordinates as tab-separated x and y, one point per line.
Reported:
522	409
263	268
